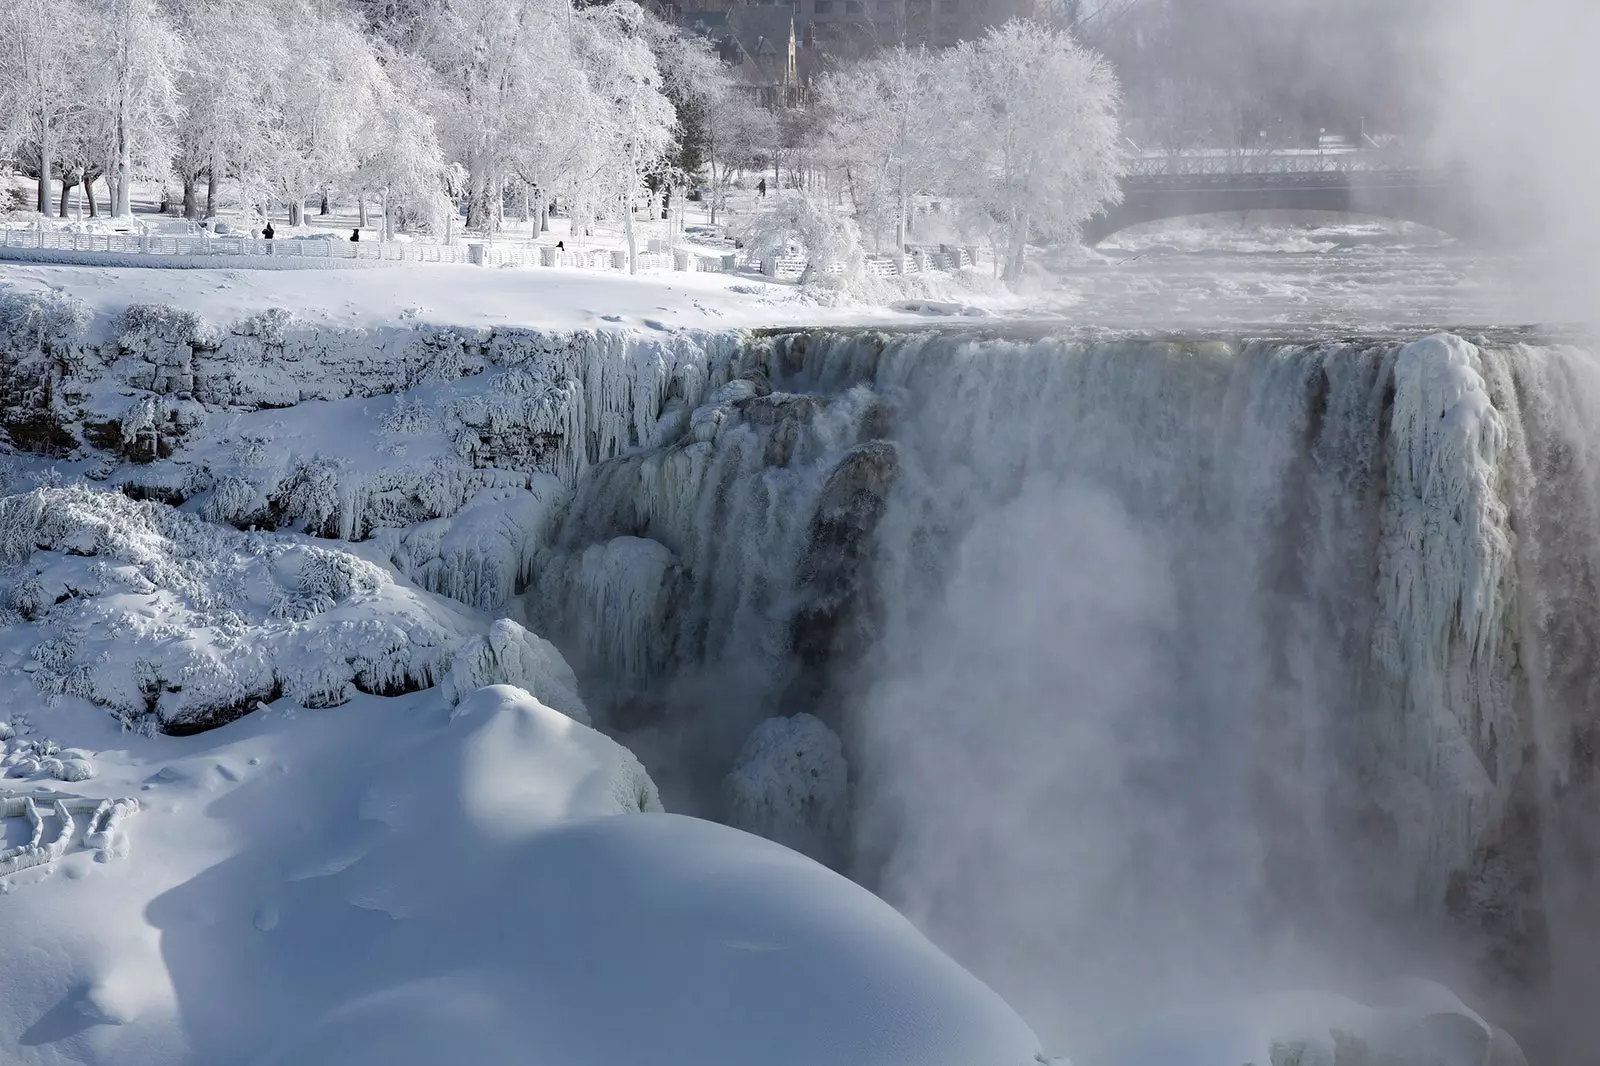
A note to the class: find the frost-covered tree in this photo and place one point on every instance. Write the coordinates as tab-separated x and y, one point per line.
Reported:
614	46
1034	132
826	237
490	56
328	88
880	119
400	161
742	135
44	74
138	78
230	87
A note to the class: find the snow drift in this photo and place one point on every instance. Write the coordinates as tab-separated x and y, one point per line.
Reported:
400	882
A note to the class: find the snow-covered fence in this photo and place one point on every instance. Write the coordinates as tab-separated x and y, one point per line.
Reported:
943	259
16	243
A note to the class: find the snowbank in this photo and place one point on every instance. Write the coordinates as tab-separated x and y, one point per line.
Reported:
510	655
404	884
665	940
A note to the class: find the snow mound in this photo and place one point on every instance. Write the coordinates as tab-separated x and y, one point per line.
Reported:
658	939
791	784
510	655
160	617
40	757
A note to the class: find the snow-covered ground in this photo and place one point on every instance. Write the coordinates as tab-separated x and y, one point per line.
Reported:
397	883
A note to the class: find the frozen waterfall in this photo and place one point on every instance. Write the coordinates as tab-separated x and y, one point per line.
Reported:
1162	664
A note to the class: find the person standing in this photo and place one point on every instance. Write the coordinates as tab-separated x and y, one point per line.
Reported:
267	233
761	188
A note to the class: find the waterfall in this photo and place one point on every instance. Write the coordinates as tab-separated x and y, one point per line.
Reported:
1162	664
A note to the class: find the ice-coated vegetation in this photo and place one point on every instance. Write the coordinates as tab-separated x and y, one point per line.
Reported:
791	784
510	655
163	618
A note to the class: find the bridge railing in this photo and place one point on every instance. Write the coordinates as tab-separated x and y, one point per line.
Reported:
1196	164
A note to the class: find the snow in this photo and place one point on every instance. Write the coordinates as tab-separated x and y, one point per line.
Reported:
397	882
155	614
552	299
1418	1022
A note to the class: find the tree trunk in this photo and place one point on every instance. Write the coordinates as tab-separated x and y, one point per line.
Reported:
211	191
544	215
361	212
627	228
45	164
191	202
323	210
67	185
388	223
297	213
477	191
527	203
1019	248
88	193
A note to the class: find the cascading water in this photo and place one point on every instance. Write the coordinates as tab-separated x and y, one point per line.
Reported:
1165	666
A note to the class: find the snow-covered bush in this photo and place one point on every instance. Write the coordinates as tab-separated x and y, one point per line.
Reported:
791	784
824	236
510	655
147	610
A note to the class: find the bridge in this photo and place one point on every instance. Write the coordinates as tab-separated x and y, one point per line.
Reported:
1201	183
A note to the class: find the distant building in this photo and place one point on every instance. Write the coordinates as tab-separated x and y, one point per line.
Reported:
779	46
757	40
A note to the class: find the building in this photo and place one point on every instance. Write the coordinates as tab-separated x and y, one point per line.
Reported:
779	46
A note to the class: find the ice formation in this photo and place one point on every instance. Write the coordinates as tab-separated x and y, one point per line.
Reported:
151	612
510	655
791	784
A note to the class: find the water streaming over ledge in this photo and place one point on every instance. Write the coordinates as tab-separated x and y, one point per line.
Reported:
1164	664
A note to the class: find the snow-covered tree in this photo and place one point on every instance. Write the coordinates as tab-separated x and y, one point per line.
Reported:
881	122
401	163
742	135
329	86
826	237
489	56
230	87
138	77
1034	136
614	46
44	74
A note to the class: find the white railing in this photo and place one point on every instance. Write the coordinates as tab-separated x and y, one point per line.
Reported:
229	250
944	259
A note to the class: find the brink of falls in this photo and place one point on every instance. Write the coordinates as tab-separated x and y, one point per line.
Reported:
1163	665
